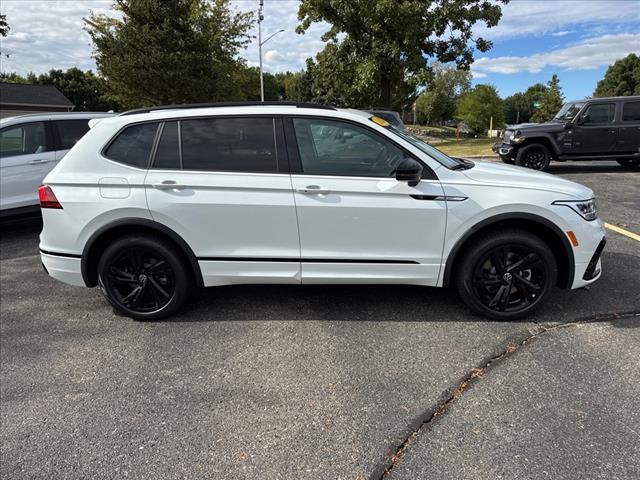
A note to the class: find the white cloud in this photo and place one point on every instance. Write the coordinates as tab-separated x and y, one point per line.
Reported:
536	17
588	54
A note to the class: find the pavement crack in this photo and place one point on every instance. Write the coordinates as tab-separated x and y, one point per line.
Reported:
478	372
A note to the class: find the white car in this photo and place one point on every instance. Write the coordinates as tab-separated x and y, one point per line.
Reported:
30	146
154	202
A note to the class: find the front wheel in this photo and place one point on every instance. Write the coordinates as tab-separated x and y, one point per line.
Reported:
534	156
629	162
506	275
144	278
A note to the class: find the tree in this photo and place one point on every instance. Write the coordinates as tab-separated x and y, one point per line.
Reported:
478	106
438	102
4	26
378	50
621	79
519	106
84	89
164	52
550	102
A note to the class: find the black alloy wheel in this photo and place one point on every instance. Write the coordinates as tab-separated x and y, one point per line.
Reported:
506	274
143	278
509	278
533	156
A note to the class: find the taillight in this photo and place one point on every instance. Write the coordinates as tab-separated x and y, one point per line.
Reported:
47	197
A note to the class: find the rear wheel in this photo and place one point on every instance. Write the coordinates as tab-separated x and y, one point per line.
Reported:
629	162
144	278
506	275
534	156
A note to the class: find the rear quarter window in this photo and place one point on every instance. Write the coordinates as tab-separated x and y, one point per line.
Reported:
133	145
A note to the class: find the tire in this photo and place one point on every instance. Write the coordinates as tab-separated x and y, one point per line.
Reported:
149	266
508	160
535	156
629	162
490	278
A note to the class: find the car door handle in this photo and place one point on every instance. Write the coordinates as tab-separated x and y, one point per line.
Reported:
167	185
312	189
36	162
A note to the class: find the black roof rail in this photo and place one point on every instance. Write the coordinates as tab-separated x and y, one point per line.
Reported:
228	104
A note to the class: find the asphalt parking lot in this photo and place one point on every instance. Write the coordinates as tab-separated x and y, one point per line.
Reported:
325	382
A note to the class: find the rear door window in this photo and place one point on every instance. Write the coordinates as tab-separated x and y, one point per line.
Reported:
24	139
631	112
133	145
231	144
168	151
69	132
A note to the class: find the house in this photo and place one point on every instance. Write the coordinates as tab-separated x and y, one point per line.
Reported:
20	99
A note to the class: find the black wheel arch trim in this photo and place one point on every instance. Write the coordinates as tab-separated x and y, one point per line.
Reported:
540	138
453	254
139	222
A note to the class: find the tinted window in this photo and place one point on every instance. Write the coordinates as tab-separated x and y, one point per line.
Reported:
133	145
23	139
601	113
229	144
328	147
168	151
70	131
631	112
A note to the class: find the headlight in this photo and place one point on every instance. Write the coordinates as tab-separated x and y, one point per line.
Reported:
585	208
516	137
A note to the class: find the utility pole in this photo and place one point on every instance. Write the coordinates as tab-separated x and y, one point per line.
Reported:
260	43
260	18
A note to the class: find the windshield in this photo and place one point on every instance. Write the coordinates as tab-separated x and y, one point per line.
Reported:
568	111
433	152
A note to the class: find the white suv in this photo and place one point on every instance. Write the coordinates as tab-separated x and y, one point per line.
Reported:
30	146
153	202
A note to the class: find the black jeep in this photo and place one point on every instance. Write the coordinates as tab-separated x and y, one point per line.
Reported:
593	129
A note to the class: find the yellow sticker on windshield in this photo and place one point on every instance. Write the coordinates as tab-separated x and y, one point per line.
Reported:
380	121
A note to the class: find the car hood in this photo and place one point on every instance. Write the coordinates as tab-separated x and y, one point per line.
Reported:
549	127
498	174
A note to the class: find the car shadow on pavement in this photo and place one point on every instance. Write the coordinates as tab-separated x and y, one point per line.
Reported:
605	299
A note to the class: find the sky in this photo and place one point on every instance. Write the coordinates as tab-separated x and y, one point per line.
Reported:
577	39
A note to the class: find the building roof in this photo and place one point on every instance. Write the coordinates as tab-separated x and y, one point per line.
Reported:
36	95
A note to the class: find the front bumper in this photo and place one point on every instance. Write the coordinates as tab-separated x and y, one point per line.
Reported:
588	263
502	149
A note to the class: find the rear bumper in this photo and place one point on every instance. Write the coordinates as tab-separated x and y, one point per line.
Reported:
62	267
502	149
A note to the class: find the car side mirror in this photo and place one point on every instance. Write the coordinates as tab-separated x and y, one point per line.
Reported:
409	171
568	125
581	119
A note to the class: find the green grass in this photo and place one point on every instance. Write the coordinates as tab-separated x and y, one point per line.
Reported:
466	146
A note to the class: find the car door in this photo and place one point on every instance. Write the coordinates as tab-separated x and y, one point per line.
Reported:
596	131
26	156
629	135
67	133
222	184
357	222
